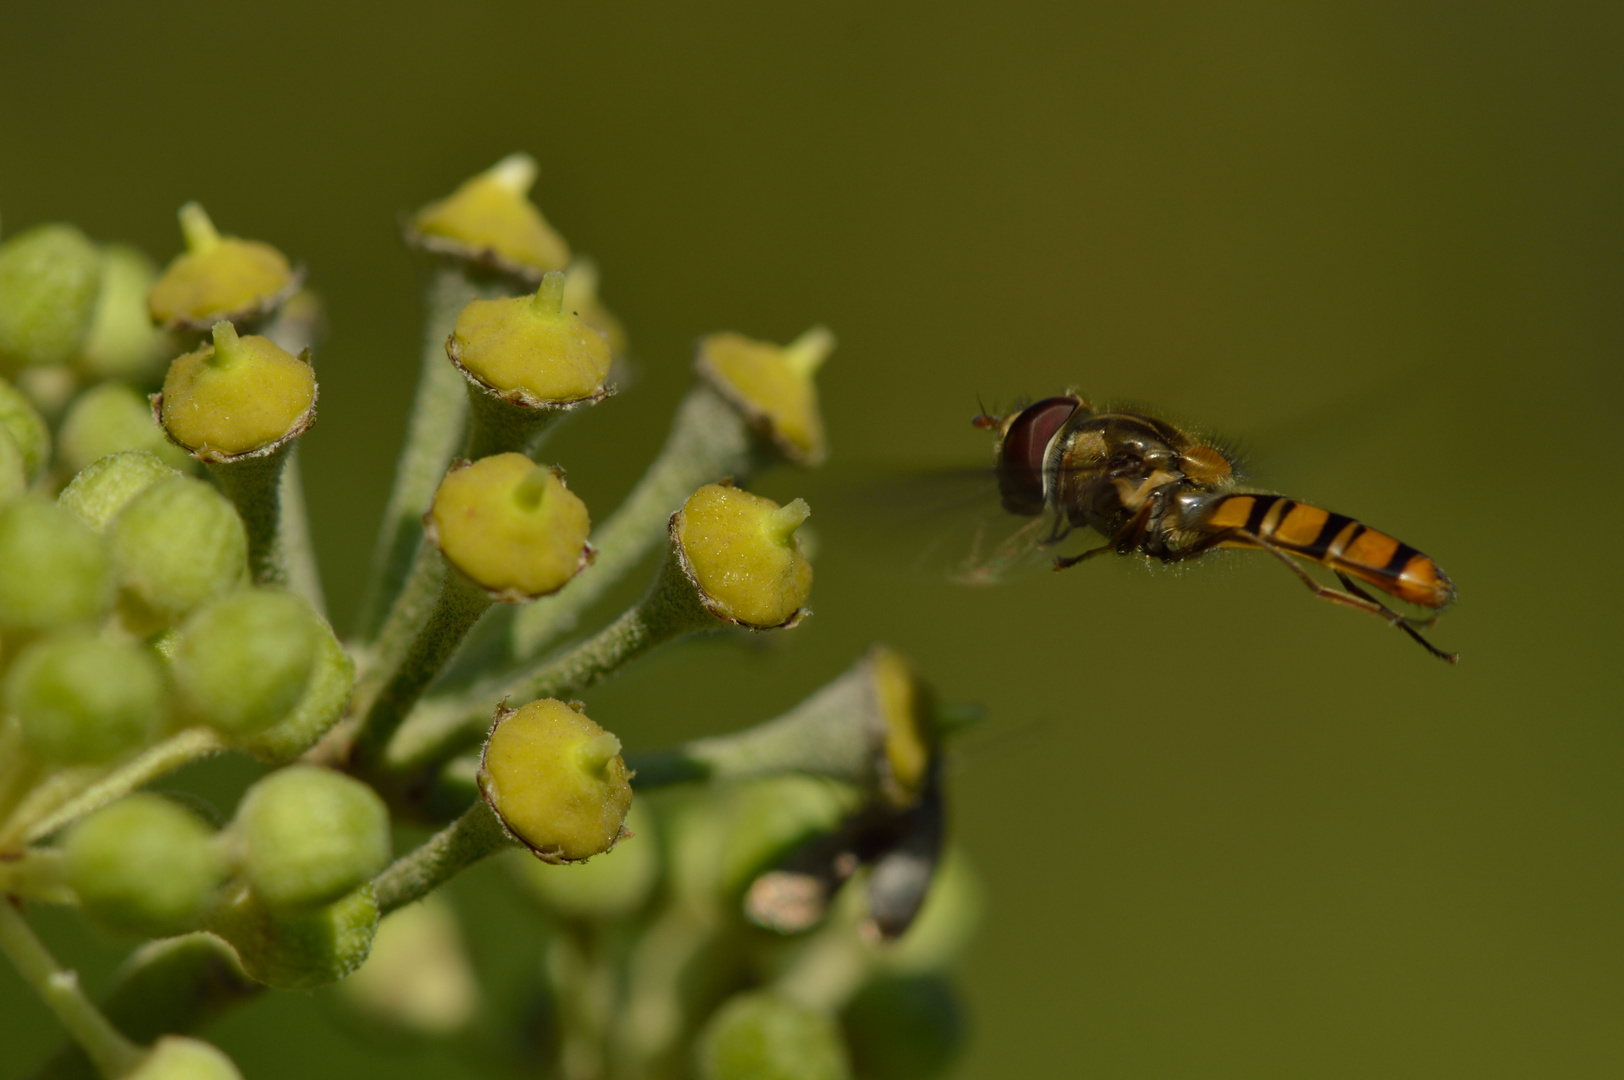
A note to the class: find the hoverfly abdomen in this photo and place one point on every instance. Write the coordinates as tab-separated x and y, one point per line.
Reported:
1332	540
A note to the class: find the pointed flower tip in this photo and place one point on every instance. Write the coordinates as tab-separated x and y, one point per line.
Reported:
197	228
808	352
225	341
516	172
787	518
597	752
530	492
549	298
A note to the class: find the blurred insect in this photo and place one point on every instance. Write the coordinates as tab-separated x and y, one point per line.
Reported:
1147	487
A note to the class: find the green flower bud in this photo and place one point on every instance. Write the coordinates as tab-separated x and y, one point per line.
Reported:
418	977
242	662
237	396
176	1057
489	221
106	486
325	695
82	699
772	386
144	865
176	545
218	277
107	419
613	885
510	526
27	428
531	348
741	551
904	1028
49	277
55	569
770	818
310	835
556	781
13	469
762	1036
297	950
123	343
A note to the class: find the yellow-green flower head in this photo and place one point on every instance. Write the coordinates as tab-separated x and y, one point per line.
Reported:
242	662
760	1035
104	487
489	220
510	526
531	348
176	1057
556	781
236	396
741	551
108	418
82	699
218	277
910	736
772	385
581	297
175	546
310	836
49	278
144	865
53	569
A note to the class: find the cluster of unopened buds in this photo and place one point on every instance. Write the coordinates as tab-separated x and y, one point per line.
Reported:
782	904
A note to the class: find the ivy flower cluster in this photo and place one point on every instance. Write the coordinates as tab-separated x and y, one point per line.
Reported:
776	902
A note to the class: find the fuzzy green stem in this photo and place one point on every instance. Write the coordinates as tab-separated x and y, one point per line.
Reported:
179	749
254	484
460	604
837	733
500	425
432	439
669	610
708	440
447	853
113	1054
173	986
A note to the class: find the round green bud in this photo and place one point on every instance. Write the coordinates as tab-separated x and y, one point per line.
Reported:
176	1057
310	835
218	277
177	545
56	569
907	1028
123	343
297	950
27	428
613	885
144	865
762	1036
104	487
13	469
242	662
740	550
510	526
489	220
769	818
238	395
531	347
772	386
325	696
49	277
82	699
109	418
556	780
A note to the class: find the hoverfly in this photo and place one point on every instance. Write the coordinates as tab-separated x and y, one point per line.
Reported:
1149	488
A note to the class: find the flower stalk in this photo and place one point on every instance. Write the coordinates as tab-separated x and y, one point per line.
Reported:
476	835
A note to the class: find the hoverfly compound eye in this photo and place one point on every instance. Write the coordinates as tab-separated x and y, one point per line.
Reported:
1025	446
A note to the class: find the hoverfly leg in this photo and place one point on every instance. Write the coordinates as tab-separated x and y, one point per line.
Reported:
1072	560
1126	539
1410	626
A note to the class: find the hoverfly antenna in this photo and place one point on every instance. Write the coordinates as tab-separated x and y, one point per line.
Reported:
984	420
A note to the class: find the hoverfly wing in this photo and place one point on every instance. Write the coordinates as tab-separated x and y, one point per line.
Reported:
950	523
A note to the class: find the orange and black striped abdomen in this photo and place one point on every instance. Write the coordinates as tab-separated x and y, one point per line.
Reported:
1333	540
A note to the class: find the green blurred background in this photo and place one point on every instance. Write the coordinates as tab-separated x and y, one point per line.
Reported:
1226	830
